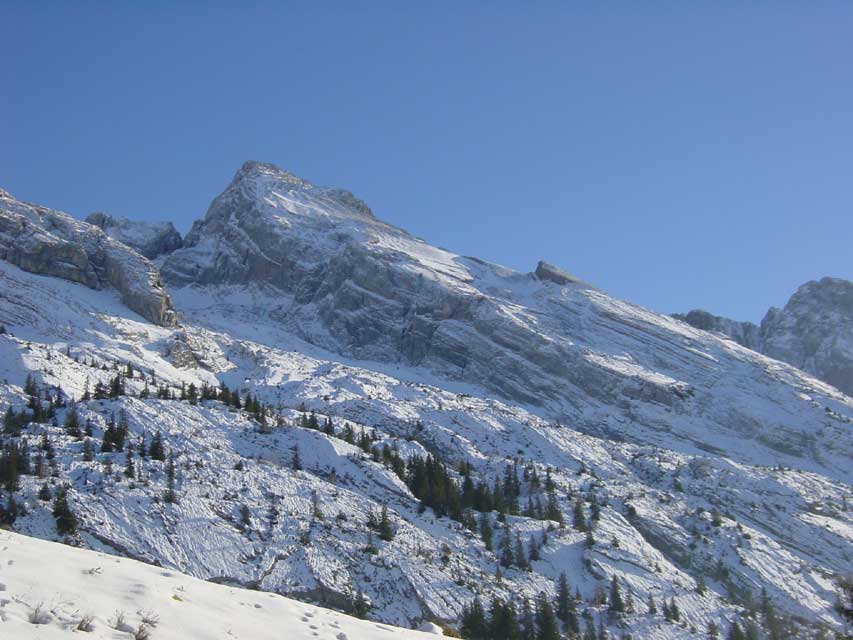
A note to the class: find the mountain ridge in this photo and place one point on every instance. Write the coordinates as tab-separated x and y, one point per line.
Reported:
705	471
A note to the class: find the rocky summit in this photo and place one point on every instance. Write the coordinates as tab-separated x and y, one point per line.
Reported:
306	400
813	331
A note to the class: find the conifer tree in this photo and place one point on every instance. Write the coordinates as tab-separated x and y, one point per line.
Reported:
44	493
546	621
486	530
360	607
88	452
170	496
616	604
473	621
66	521
385	531
528	621
564	598
157	451
578	521
72	423
296	461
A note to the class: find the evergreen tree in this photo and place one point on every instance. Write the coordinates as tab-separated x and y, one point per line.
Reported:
735	632
546	621
578	520
44	493
385	531
616	603
528	621
360	607
66	521
157	450
72	423
486	530
652	607
473	621
129	469
170	496
296	461
507	557
88	452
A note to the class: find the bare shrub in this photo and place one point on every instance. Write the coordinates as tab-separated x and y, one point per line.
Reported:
87	623
39	615
150	618
143	632
119	622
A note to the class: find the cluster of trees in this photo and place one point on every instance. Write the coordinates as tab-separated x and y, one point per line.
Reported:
541	620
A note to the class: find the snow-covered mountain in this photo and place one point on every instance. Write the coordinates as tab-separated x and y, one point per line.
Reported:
692	470
813	331
151	239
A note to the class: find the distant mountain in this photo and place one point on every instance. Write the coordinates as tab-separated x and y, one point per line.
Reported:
313	402
151	239
814	331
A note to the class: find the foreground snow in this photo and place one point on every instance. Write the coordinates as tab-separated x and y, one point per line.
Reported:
57	586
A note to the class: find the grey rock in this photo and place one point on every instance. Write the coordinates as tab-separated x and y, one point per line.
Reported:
331	273
151	239
813	332
744	333
547	271
48	242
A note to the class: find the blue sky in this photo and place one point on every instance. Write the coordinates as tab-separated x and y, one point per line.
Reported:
677	155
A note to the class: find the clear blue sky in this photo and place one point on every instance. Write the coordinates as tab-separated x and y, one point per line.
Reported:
678	155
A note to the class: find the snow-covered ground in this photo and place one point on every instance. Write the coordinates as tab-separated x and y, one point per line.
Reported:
47	590
713	472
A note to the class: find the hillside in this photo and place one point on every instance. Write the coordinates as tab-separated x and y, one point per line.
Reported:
117	597
417	429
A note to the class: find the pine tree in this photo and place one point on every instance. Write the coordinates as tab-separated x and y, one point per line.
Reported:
578	520
565	605
66	521
44	493
296	461
157	452
519	554
486	530
385	531
652	607
170	496
360	607
72	423
88	452
735	632
129	469
546	621
507	558
528	621
616	603
473	621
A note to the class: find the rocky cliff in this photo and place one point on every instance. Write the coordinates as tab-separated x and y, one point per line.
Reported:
151	239
48	242
814	331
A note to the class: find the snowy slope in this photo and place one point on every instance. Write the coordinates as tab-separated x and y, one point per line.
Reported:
100	587
782	529
708	462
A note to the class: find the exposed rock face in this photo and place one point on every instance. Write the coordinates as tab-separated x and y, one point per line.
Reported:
813	332
547	271
744	333
315	262
48	242
151	239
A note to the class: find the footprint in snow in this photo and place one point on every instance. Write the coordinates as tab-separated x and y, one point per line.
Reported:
342	636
